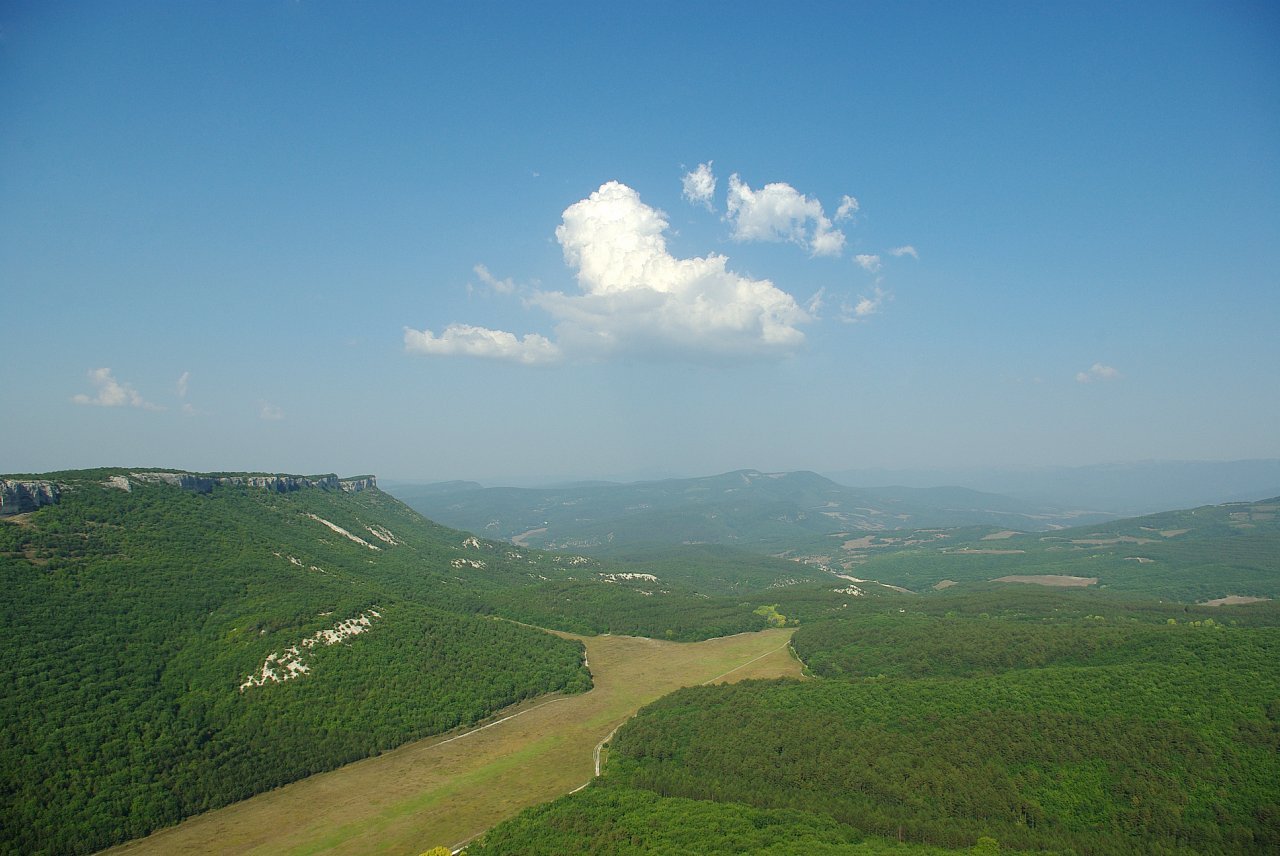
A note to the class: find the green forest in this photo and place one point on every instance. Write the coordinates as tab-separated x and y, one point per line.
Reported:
135	618
1055	722
172	650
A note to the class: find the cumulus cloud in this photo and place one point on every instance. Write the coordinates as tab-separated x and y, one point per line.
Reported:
906	250
111	393
482	342
635	297
868	262
270	412
502	286
848	207
635	293
1097	372
700	185
779	212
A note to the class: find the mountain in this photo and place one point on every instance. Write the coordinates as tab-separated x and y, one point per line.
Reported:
1193	555
1139	487
176	641
764	512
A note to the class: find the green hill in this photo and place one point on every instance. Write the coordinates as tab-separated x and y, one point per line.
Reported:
1193	555
177	641
1058	721
762	512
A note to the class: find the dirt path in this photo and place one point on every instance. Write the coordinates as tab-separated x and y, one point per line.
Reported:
446	790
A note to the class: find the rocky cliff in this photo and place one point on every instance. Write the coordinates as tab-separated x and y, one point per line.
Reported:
19	496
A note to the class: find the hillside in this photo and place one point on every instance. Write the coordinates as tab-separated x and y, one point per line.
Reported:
762	512
1127	489
1058	721
178	641
1193	555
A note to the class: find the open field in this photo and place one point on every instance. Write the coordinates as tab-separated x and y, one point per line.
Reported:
450	788
1059	580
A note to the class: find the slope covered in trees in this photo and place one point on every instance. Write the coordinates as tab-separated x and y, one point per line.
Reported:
173	648
1191	555
1054	722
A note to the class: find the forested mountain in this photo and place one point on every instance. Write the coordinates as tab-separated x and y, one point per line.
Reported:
1055	721
763	512
1128	489
177	641
1193	555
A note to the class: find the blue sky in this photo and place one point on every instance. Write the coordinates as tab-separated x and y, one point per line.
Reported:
558	241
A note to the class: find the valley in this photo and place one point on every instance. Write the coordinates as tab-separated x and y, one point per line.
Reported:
444	791
266	663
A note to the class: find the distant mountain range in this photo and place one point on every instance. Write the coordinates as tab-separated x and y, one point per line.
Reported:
747	508
1138	487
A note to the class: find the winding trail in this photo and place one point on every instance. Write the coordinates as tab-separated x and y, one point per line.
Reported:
447	790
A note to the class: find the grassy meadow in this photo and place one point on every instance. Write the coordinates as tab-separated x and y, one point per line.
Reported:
446	790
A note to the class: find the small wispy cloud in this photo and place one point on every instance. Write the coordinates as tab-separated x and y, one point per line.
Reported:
502	286
270	412
110	392
905	250
699	186
1097	372
464	339
779	212
867	305
815	304
180	387
848	207
868	262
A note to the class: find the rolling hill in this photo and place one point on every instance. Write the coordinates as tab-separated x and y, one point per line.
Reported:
177	641
760	512
1192	555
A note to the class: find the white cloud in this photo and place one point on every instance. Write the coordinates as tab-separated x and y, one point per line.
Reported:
502	286
1097	372
183	379
815	304
866	306
848	207
700	185
869	263
778	212
482	342
112	393
906	250
635	297
270	412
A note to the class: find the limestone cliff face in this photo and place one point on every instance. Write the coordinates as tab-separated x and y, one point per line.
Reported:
19	496
186	481
275	483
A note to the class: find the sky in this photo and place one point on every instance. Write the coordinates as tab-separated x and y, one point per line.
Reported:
528	242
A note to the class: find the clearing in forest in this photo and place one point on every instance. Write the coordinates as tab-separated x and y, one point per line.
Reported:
447	789
1059	580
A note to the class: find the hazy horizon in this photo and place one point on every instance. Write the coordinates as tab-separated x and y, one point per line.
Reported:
558	244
